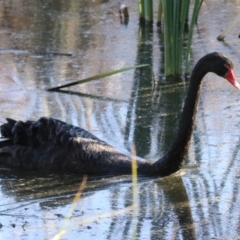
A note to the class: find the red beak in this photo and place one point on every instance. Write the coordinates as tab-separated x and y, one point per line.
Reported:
230	76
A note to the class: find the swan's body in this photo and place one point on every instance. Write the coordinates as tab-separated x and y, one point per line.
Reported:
50	144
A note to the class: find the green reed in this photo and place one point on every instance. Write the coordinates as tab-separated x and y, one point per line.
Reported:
178	18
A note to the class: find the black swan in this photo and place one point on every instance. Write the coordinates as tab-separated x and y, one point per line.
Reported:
52	145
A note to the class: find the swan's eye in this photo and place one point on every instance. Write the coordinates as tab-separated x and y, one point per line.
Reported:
226	68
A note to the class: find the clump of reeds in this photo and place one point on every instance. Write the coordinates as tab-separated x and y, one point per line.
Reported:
178	18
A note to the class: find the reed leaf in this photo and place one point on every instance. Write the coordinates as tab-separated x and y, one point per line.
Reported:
160	13
191	29
148	11
97	77
145	11
141	10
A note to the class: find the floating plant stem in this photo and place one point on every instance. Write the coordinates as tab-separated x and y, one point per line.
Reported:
64	229
228	28
135	193
97	77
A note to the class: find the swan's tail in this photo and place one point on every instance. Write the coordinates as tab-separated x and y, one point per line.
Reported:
6	128
17	131
6	134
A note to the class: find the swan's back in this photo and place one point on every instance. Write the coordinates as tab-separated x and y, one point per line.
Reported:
50	144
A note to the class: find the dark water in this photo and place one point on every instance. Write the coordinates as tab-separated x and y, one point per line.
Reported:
45	43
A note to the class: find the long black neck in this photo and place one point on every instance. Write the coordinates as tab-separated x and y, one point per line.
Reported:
173	159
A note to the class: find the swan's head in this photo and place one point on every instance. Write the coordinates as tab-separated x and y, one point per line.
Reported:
223	67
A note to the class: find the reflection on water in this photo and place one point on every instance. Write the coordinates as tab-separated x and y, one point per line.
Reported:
44	43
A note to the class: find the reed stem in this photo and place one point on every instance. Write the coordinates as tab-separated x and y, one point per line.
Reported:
177	36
